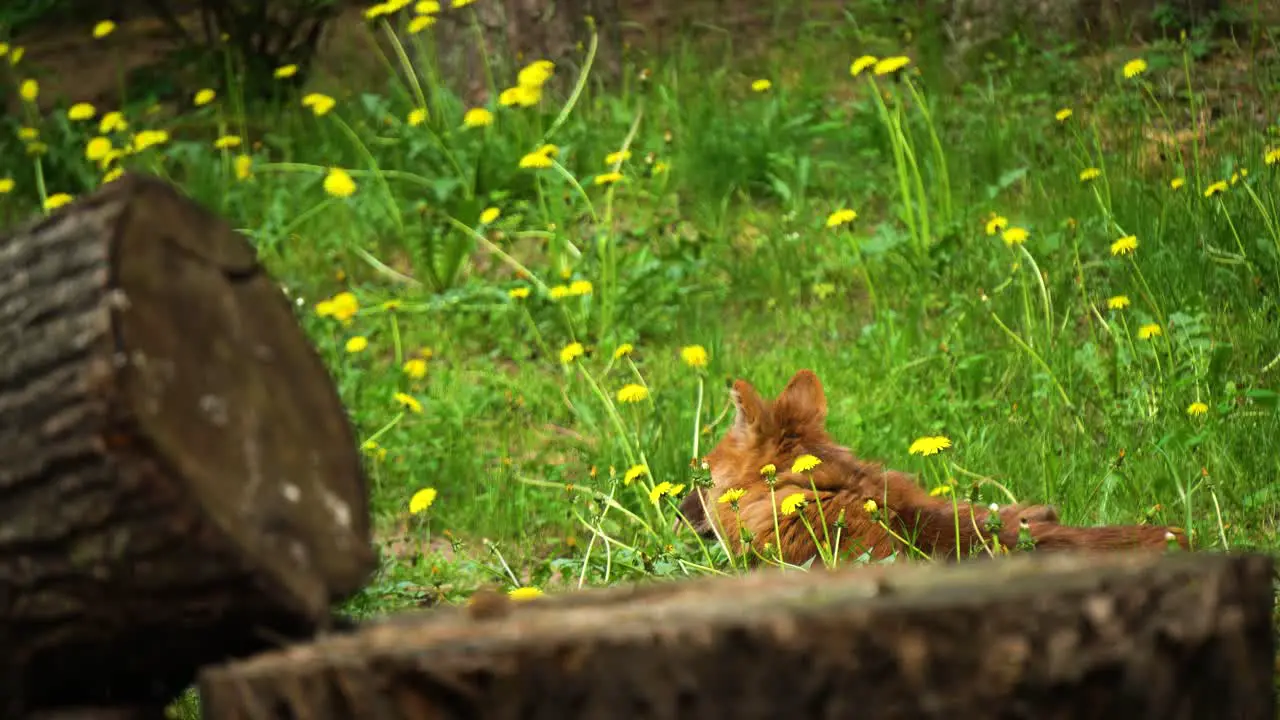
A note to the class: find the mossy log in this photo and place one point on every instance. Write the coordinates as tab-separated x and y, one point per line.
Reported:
179	482
1064	636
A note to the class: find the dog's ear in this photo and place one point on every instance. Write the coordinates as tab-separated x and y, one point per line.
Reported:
804	398
693	512
751	417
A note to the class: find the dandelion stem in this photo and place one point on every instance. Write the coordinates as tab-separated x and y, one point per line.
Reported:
1044	366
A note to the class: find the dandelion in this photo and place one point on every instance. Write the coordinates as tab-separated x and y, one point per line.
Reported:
338	183
805	463
357	344
1177	183
477	118
80	111
1215	189
559	292
415	368
420	23
29	90
791	503
285	71
870	506
103	29
319	103
204	97
376	11
226	142
1062	115
522	594
1273	156
861	64
521	95
571	352
769	470
929	445
1135	67
112	122
538	159
1090	174
616	157
243	165
149	138
841	217
97	149
580	287
1118	302
15	56
761	85
417	116
632	393
535	74
409	402
422	500
731	496
489	215
1125	245
518	293
607	178
427	7
996	224
1148	331
635	472
661	489
891	65
57	200
341	307
1197	408
695	356
623	350
1014	236
112	175
940	490
6	185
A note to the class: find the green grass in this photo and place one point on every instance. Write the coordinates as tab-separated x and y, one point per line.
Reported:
917	320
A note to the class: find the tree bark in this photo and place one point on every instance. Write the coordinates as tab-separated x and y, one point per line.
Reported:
178	480
1181	636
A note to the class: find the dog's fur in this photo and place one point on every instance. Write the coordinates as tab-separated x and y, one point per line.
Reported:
794	424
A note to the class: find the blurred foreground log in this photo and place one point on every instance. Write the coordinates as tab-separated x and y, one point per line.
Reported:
1181	636
179	483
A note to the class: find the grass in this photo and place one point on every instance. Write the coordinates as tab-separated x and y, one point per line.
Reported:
975	293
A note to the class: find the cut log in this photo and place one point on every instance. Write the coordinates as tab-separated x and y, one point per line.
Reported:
1066	636
179	482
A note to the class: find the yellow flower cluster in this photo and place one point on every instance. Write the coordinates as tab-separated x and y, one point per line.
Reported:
527	91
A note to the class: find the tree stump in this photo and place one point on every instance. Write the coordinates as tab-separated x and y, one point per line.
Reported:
1064	636
179	481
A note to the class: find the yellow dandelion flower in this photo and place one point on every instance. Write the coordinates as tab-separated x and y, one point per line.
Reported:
536	73
285	71
805	463
607	178
226	142
522	594
929	445
940	490
1063	114
357	344
97	148
580	287
730	496
338	183
376	11
57	200
1135	67
1273	156
1118	302
409	402
768	470
422	500
841	217
1090	174
1177	183
761	85
112	175
633	393
204	97
477	118
15	56
996	224
489	215
559	292
891	65
1197	408
619	156
6	185
1014	236
635	472
1215	189
518	293
341	307
28	133
791	503
417	116
460	3
318	102
1125	245
695	356
81	111
1148	331
861	64
870	506
571	352
112	122
623	350
243	165
662	488
420	23
103	29
536	160
415	368
29	90
427	7
149	138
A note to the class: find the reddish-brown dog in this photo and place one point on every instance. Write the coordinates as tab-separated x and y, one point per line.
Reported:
794	424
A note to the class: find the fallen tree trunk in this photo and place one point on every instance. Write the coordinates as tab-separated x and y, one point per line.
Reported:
1064	636
179	483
